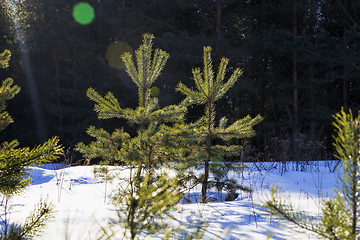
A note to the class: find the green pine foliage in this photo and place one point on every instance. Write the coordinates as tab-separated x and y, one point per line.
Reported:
347	144
209	89
5	58
147	195
341	213
14	163
162	137
119	146
147	203
8	92
33	224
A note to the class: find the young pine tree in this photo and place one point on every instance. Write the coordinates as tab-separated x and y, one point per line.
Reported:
340	219
208	90
147	195
14	163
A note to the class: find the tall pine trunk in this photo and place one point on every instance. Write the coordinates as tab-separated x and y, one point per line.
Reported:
58	96
295	90
345	80
218	31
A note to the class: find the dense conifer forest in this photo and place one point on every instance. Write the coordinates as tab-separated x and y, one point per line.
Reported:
300	63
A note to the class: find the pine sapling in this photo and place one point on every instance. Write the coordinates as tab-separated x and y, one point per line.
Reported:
340	213
209	89
147	195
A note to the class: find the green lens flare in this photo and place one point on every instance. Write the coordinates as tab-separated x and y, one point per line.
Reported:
154	91
114	51
83	13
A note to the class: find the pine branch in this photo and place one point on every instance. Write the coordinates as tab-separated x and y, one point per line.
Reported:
192	96
158	63
172	113
5	120
37	219
130	68
14	162
275	206
283	213
7	92
146	71
202	87
225	87
106	107
5	58
208	72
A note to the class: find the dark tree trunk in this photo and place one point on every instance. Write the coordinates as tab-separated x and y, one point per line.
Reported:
295	91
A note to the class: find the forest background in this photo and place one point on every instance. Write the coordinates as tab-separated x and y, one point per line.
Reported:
300	62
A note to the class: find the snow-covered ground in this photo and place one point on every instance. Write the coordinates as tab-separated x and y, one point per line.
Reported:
81	207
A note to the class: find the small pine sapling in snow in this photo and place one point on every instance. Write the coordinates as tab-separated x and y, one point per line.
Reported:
208	89
341	213
146	196
146	203
220	171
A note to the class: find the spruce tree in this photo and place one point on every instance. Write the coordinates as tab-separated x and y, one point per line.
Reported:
147	195
14	163
208	90
340	213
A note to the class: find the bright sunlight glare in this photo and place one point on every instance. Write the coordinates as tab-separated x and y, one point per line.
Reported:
34	97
